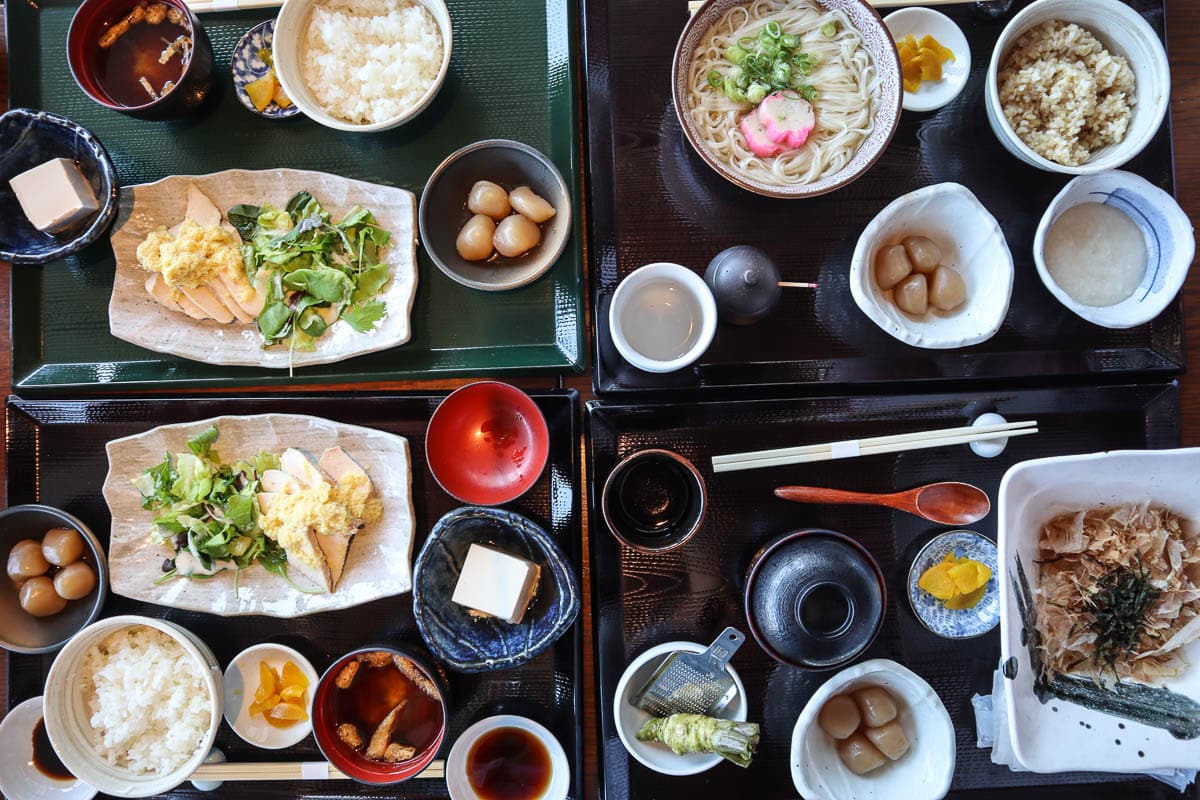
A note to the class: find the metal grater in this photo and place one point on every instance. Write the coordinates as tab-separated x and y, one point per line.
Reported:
692	683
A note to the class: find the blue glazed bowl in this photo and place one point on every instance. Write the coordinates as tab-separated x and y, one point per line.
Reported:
246	67
467	643
963	623
1167	230
29	138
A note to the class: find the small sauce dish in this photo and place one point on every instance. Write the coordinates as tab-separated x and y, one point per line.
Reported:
1170	244
920	22
241	682
629	718
20	775
654	501
553	772
963	623
663	317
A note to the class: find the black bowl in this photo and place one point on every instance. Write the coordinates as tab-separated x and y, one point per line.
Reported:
654	501
23	632
29	138
815	599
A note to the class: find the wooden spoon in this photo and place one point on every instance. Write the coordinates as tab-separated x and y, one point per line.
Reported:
946	503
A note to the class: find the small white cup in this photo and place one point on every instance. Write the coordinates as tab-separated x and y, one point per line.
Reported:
687	281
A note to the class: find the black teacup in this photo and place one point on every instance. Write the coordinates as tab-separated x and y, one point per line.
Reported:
654	500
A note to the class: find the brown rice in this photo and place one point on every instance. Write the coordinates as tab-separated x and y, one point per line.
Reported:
1064	94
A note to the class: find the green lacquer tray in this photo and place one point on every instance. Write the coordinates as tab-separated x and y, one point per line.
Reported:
512	75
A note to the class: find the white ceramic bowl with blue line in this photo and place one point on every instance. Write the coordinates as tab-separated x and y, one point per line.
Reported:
963	623
247	66
1170	244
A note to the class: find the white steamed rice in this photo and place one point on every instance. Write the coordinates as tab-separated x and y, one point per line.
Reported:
367	61
149	706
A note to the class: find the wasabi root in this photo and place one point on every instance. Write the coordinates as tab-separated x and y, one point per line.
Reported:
695	733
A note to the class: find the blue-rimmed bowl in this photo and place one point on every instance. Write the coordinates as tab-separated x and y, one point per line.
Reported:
468	643
247	66
28	138
1170	244
963	623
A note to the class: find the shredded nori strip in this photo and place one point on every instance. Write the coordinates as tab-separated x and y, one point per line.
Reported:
1120	603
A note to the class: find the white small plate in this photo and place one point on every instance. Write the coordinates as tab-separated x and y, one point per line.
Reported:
18	777
241	680
629	718
459	785
932	95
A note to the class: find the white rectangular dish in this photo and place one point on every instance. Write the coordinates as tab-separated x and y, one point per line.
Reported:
1068	724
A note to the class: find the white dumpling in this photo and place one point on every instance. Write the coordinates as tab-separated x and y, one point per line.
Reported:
489	199
516	236
474	241
529	204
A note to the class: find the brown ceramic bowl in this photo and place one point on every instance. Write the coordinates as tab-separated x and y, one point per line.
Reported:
878	42
94	17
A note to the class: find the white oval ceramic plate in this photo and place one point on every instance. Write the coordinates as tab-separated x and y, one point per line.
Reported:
378	563
932	95
241	681
18	777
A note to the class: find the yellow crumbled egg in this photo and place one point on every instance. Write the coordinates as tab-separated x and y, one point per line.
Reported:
323	509
193	257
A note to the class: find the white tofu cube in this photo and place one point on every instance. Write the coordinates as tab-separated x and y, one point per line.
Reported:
496	584
54	195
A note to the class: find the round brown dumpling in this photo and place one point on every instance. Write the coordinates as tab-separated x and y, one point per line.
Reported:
516	235
839	717
39	598
891	266
889	739
859	755
912	295
62	546
474	242
75	581
876	706
489	199
26	560
947	290
530	204
923	252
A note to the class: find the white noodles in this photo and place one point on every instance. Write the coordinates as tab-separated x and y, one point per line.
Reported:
845	78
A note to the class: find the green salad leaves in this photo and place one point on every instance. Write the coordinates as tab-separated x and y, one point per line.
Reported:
312	270
207	512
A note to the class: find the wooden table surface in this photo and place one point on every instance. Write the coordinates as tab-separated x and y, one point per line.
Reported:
1183	35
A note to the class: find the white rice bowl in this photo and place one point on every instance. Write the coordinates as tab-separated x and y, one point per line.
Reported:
150	710
370	61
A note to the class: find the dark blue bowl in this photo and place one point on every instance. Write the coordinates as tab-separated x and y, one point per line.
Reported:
28	138
467	643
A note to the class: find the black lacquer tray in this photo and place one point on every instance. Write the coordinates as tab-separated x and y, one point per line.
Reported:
654	199
56	456
693	592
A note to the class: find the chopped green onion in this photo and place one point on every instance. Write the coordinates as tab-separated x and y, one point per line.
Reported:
808	93
735	54
782	74
747	43
829	29
757	92
714	79
789	41
773	30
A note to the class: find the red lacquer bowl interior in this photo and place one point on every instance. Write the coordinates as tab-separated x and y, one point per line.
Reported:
487	443
344	757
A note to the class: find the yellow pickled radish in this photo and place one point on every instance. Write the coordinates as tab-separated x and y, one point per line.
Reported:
937	581
268	684
921	60
958	582
968	600
287	711
294	676
969	575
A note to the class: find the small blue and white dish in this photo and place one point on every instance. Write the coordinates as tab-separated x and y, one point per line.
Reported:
28	138
964	623
1170	244
247	66
469	643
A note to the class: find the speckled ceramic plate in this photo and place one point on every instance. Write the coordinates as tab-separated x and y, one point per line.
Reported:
963	623
469	643
247	66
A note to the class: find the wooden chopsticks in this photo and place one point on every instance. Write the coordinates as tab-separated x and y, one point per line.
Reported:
201	6
289	771
828	451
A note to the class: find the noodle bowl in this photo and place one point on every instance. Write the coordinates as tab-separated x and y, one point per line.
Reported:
856	78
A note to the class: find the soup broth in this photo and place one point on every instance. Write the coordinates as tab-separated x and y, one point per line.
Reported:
143	55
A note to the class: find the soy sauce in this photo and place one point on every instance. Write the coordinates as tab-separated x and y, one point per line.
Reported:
44	758
508	764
